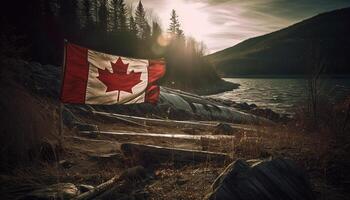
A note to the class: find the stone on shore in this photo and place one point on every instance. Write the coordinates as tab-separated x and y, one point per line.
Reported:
223	129
271	180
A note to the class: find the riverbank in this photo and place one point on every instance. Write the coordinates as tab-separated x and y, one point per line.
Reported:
86	159
89	151
284	96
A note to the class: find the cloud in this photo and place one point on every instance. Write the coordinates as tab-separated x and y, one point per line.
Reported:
228	22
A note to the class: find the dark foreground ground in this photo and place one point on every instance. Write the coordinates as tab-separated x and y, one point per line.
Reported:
34	155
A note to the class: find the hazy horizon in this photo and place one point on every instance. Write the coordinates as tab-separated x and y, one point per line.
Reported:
223	23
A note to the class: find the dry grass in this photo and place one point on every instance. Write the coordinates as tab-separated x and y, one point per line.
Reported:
28	121
26	124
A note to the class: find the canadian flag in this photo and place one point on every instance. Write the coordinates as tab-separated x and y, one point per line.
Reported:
92	77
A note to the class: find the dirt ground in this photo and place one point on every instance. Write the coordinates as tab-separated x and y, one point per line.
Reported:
193	181
94	160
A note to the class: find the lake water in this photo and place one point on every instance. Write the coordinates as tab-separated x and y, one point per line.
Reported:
280	94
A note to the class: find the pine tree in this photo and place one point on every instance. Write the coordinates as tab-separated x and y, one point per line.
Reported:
132	25
87	14
174	22
68	13
103	15
94	15
156	30
174	26
119	15
143	27
46	7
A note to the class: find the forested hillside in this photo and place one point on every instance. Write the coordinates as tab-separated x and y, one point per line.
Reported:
319	42
35	30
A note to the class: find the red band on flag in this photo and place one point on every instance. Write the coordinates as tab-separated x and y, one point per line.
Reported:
156	70
75	75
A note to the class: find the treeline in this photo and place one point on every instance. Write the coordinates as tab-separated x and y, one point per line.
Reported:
110	26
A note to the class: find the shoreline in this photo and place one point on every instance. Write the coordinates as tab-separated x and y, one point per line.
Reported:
325	76
212	88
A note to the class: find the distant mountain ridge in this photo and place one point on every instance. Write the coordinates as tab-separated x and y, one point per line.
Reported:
321	40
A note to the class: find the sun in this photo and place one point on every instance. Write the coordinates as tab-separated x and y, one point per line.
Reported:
193	20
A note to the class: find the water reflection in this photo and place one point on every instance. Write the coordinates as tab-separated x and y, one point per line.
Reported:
283	95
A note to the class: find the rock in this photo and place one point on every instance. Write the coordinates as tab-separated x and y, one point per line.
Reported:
84	188
270	180
175	100
134	174
69	118
266	113
88	134
44	80
244	106
49	152
109	157
174	113
223	129
181	181
56	191
253	106
66	164
140	195
86	127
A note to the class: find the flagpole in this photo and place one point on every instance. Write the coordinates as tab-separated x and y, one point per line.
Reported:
60	128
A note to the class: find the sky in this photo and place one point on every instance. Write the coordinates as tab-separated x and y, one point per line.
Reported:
223	23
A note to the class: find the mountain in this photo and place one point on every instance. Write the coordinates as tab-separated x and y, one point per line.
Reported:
323	40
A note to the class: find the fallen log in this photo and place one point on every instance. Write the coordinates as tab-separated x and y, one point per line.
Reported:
120	118
201	125
153	155
98	189
170	136
108	190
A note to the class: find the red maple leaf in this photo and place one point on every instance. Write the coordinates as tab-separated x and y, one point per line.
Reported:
119	80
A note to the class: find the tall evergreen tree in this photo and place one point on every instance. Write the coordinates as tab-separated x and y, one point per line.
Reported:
103	15
119	15
94	5
87	13
68	14
132	25
46	7
143	27
156	30
174	26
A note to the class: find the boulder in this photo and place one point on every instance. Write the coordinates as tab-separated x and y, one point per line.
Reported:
266	180
223	129
49	152
44	80
86	127
134	174
66	164
68	118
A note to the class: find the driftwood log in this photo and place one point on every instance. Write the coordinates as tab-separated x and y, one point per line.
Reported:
169	136
143	121
98	189
152	155
265	180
